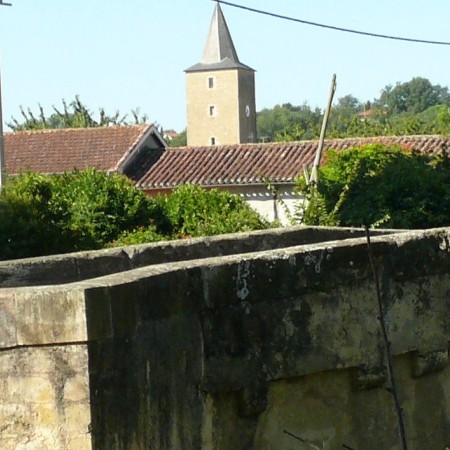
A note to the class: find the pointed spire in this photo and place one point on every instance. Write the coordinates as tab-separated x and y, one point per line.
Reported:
219	52
219	44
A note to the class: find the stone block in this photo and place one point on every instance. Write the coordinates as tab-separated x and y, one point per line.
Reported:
431	362
16	420
369	377
80	443
50	315
76	389
77	419
252	400
29	389
46	415
8	336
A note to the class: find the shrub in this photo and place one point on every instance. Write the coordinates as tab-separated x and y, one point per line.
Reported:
42	215
194	211
86	209
141	235
380	186
101	207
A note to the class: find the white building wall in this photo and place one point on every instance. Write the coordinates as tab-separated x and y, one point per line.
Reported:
263	200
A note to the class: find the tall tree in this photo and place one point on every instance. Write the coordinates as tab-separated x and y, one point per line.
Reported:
72	115
412	96
348	105
297	122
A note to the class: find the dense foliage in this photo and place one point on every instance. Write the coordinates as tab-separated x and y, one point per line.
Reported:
413	97
43	215
191	211
179	141
378	186
73	115
194	211
413	107
54	214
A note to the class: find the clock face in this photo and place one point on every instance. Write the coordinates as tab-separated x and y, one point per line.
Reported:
247	111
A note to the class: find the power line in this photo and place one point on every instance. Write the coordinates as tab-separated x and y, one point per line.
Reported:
331	27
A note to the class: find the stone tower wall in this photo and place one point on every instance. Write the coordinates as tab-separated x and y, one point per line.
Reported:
247	123
233	90
223	125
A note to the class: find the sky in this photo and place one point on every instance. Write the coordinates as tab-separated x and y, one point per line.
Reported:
128	54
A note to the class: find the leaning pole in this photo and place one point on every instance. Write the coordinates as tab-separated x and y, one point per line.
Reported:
2	144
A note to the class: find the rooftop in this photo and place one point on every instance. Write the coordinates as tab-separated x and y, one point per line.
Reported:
255	163
62	150
219	52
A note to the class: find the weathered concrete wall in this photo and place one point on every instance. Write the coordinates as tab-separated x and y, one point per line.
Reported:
44	376
44	398
79	266
232	352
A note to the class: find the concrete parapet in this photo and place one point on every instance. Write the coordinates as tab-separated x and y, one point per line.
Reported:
71	267
235	352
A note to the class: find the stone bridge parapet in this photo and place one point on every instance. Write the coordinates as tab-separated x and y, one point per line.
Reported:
238	342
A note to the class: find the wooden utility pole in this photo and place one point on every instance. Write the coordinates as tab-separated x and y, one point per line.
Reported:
2	144
314	172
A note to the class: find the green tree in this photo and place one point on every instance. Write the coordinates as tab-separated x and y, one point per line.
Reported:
348	105
194	211
414	107
43	214
380	186
86	210
102	206
412	96
191	211
29	223
179	141
288	122
73	115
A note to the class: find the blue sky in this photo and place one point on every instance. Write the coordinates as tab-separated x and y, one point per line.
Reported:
123	54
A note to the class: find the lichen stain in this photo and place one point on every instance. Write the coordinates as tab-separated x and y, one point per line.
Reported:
243	272
444	244
310	258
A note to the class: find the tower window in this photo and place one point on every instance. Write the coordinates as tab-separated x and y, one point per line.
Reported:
213	141
212	110
210	82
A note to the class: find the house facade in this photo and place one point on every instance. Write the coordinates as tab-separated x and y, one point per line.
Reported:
130	150
263	174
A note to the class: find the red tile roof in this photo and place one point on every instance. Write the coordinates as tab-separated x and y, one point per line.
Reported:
62	150
254	163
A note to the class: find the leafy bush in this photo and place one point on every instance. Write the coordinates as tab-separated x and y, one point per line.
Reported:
84	210
140	235
32	214
101	207
194	211
378	186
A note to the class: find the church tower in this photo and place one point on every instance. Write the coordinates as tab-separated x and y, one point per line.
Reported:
220	92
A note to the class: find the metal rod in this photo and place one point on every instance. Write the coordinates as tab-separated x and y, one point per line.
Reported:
2	144
387	344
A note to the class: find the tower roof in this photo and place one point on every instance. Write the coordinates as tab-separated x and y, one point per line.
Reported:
219	52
